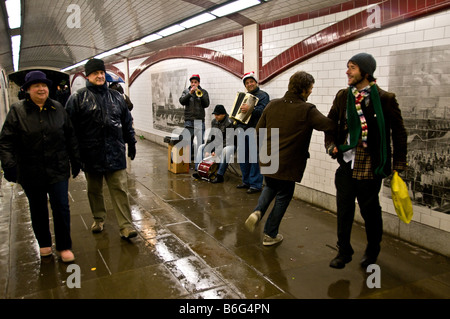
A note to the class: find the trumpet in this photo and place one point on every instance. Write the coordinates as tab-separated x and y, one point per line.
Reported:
199	93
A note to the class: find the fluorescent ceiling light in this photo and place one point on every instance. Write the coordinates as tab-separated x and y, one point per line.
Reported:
81	63
75	65
202	18
136	43
15	43
224	10
123	48
116	50
150	38
171	30
234	7
104	54
107	53
14	13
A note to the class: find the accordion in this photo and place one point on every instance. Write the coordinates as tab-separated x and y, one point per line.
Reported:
243	98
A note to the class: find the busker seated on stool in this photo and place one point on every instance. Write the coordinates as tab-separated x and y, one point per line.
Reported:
219	125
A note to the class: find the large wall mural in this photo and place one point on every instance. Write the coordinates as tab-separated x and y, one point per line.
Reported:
167	88
421	80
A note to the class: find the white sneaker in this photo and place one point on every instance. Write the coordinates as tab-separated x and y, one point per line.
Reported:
253	221
269	241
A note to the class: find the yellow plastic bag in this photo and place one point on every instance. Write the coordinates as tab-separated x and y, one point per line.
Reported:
400	197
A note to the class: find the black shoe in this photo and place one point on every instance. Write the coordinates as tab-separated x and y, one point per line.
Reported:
367	260
242	186
339	261
218	179
252	190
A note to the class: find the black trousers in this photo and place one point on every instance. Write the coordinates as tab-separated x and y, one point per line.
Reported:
59	202
366	192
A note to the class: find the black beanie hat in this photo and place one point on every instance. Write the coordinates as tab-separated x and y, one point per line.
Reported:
365	61
219	109
94	65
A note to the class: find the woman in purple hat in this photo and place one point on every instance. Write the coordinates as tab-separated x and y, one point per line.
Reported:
37	149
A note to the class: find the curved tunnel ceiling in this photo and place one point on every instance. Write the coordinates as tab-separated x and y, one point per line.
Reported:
51	40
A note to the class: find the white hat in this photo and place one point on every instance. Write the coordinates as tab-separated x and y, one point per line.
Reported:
250	75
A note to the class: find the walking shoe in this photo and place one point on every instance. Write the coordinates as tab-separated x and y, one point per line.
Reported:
269	241
97	226
253	221
367	260
339	261
218	179
252	190
243	186
45	251
128	233
67	256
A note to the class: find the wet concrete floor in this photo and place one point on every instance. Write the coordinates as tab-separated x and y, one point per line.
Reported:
192	244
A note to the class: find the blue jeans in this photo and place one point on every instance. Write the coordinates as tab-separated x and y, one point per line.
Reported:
59	202
195	129
282	191
225	158
251	174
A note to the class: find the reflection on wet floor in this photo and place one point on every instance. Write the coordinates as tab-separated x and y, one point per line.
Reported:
192	244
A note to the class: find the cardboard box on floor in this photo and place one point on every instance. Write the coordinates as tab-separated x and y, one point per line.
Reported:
177	160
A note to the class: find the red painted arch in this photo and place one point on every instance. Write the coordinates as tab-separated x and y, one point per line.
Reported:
393	12
217	58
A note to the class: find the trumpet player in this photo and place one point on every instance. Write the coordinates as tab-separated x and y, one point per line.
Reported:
195	99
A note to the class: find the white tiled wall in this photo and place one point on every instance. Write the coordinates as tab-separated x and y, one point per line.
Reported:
4	96
231	46
278	39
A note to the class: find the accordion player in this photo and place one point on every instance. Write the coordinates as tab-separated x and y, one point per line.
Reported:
243	98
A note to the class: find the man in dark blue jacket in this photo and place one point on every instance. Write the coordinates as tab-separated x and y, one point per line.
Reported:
251	174
103	124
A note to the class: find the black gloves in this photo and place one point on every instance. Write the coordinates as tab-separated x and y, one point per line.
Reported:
10	174
131	150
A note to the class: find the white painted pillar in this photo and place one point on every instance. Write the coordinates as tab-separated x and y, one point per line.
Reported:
127	77
251	49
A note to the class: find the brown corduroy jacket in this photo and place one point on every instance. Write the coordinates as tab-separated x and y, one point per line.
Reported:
295	120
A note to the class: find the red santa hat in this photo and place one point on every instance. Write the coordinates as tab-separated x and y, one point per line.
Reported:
250	75
194	77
